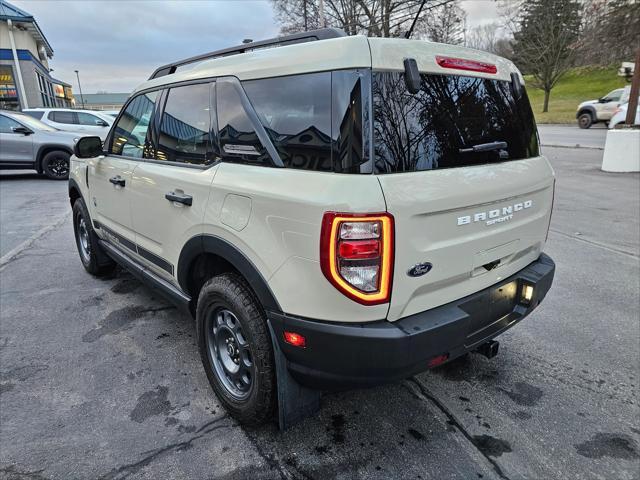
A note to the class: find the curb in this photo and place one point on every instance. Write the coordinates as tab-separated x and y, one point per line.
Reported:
567	145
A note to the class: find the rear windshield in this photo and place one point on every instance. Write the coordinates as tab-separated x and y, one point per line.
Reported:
439	126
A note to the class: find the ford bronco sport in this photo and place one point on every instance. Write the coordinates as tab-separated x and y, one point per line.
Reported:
335	211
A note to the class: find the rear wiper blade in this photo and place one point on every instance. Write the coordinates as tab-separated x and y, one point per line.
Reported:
485	147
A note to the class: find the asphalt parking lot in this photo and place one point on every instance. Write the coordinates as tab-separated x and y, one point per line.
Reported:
102	379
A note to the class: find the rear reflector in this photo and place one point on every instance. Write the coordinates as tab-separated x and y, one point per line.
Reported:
295	339
439	360
463	64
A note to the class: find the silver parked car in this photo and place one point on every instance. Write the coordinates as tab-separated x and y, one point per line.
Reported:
28	143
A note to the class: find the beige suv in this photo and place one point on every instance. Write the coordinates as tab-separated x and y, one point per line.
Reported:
335	211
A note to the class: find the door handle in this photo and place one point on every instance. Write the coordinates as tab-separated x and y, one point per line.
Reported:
180	198
117	180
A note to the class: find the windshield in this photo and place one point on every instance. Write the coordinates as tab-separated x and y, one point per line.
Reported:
33	123
453	121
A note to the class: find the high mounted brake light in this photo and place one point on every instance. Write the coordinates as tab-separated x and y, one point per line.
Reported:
356	255
464	64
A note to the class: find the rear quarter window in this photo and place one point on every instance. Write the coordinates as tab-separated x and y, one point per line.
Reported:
296	113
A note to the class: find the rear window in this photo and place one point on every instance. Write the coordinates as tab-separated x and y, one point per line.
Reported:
439	126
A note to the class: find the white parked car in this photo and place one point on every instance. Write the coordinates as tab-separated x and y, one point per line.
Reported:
111	113
601	110
83	122
620	115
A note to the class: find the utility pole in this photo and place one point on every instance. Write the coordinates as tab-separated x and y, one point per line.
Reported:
321	13
80	88
635	91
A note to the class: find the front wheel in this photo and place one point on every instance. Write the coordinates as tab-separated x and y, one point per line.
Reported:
585	120
55	165
235	347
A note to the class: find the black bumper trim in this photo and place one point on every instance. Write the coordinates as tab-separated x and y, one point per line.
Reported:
342	355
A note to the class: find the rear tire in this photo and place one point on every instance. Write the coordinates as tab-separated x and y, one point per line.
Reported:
235	347
585	120
93	258
55	165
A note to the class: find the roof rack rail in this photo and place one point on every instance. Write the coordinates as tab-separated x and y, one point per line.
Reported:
310	36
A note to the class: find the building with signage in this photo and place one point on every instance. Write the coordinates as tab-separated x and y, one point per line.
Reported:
25	78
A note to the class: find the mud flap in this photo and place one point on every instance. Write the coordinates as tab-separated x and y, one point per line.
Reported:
295	402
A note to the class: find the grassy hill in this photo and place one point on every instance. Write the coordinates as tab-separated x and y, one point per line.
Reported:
577	85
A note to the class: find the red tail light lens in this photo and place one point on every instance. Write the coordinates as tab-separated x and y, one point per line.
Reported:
359	249
356	255
295	339
464	64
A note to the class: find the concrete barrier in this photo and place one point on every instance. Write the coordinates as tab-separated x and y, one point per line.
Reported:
622	151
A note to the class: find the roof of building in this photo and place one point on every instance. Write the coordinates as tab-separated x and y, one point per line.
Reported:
15	14
103	98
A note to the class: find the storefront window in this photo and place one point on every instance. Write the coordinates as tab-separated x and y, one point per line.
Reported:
8	91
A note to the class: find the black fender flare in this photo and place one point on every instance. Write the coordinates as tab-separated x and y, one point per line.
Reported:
588	109
74	185
218	246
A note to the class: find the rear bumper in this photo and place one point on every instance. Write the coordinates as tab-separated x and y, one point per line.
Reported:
340	355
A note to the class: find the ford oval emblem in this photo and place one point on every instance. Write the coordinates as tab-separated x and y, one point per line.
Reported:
420	269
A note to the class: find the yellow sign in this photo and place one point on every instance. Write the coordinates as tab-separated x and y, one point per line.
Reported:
58	90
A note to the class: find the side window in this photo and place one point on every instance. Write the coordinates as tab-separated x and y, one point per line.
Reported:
615	95
7	124
186	125
238	139
68	118
130	134
296	113
88	119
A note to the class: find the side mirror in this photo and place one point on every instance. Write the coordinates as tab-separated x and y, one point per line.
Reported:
23	130
102	123
603	100
88	147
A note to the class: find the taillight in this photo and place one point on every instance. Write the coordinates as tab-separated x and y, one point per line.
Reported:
464	64
356	255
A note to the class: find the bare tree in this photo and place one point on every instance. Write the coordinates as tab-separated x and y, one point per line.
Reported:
610	31
379	18
445	24
545	44
483	37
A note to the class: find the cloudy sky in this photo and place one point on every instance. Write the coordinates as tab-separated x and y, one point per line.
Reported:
117	44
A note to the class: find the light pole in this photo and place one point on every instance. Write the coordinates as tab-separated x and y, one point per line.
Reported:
80	88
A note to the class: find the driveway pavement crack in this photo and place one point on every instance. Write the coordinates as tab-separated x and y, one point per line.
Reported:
455	422
17	474
125	471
